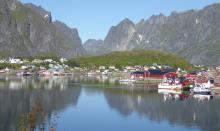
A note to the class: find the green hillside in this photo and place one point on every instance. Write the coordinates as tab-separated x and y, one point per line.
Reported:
131	58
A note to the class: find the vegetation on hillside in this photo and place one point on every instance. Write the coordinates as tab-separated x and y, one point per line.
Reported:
131	58
41	56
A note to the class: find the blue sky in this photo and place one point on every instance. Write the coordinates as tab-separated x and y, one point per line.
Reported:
93	18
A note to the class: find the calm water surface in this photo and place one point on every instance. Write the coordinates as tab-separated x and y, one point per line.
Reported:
96	104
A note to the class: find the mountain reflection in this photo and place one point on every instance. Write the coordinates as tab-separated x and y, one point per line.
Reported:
27	96
189	113
24	93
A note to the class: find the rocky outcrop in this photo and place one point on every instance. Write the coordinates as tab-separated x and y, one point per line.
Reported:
26	29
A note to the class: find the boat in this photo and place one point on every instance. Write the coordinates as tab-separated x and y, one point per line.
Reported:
168	86
127	80
170	83
201	89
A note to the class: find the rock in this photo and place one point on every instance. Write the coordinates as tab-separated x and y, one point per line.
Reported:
26	29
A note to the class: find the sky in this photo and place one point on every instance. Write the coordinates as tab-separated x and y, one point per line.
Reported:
93	18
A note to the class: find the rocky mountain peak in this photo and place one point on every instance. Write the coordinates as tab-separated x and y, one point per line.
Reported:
41	11
28	30
11	4
126	21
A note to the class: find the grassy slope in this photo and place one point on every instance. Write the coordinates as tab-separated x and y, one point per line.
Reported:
136	57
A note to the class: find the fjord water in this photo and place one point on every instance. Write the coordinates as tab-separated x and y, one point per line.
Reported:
93	104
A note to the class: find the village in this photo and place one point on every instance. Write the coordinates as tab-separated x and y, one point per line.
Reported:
148	74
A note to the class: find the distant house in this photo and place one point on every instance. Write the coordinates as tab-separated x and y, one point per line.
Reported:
153	67
112	67
151	73
26	61
24	67
15	61
199	66
146	68
3	61
48	60
62	60
102	68
129	69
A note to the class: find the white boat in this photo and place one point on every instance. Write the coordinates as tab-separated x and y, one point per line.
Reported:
170	84
127	80
167	91
201	89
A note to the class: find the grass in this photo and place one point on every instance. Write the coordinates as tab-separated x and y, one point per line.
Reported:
131	58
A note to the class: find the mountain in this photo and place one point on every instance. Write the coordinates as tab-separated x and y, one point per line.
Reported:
192	34
26	29
93	46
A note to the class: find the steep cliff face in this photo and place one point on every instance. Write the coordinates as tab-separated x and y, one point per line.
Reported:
26	29
193	34
119	36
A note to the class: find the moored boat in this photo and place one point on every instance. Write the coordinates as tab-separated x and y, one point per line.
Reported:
172	83
169	86
127	80
201	89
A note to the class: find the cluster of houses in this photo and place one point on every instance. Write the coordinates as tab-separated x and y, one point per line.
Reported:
34	61
40	64
127	69
59	66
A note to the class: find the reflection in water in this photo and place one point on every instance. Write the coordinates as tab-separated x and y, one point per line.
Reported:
189	113
14	83
29	121
15	103
183	95
96	79
27	102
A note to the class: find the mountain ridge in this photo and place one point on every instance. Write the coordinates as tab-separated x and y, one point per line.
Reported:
28	30
192	34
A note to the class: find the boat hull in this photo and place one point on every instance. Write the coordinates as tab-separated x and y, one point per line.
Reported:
126	80
201	90
169	87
